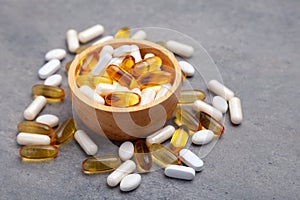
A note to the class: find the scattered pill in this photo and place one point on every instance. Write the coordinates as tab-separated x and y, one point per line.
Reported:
179	139
49	68
148	55
101	64
30	138
48	119
202	137
56	54
139	35
34	127
106	49
190	96
123	33
124	169
201	106
53	80
104	39
180	172
142	156
180	49
90	33
208	122
161	135
126	151
219	89
220	103
49	92
100	164
130	182
64	132
90	93
104	89
187	68
148	96
86	143
191	159
235	108
187	118
35	107
163	156
38	152
72	40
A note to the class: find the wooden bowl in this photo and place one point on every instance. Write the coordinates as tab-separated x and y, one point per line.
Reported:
126	123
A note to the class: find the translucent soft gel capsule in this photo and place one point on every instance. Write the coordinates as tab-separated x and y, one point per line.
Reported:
154	78
64	132
179	139
142	156
187	118
100	164
89	62
163	156
122	99
210	123
123	33
146	65
92	81
34	127
128	62
38	152
51	93
189	96
121	76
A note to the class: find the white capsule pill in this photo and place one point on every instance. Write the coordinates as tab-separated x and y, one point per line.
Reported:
106	49
126	151
53	80
104	88
104	39
136	90
135	52
56	54
130	182
90	93
191	159
50	120
187	68
101	64
203	137
163	91
235	109
86	143
139	35
180	172
49	68
148	55
124	169
35	107
122	51
201	106
180	49
72	40
161	135
147	96
116	61
219	89
31	138
91	33
220	103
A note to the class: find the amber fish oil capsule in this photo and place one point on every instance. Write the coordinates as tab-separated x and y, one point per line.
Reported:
179	139
123	33
64	132
210	123
34	127
35	107
92	81
121	76
189	96
154	78
100	164
142	156
163	156
50	92
122	99
38	152
146	65
187	118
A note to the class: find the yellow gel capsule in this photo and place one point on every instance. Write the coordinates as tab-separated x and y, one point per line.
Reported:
52	93
67	66
146	65
38	152
81	49
154	78
142	156
210	123
187	118
123	33
101	164
34	127
189	96
64	132
179	139
122	99
163	156
128	62
121	76
89	63
92	81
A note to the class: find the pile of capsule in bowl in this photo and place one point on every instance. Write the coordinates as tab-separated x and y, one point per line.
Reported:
120	77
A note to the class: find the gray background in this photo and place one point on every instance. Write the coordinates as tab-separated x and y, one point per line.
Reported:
256	46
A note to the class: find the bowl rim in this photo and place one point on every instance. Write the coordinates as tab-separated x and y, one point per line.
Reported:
75	89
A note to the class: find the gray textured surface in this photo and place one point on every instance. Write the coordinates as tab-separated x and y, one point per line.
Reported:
256	46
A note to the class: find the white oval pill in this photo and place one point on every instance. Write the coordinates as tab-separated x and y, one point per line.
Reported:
148	96
180	172
203	137
90	93
35	107
101	64
191	159
103	88
53	80
124	169
104	39
122	51
135	52
49	68
72	40
180	49
235	109
148	55
56	54
130	182
106	49
220	90
86	143
30	138
201	106
187	68
50	120
220	103
139	35
163	91
161	135
91	33
126	151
